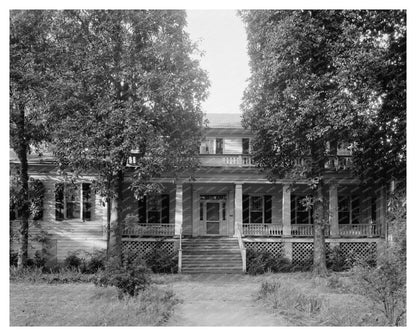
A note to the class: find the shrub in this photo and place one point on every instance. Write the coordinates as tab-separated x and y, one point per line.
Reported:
96	262
39	274
13	258
336	260
259	262
73	261
161	261
129	278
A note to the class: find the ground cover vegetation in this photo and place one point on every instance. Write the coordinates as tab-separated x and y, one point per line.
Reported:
40	304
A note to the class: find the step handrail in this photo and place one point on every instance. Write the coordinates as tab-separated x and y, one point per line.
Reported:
180	252
242	249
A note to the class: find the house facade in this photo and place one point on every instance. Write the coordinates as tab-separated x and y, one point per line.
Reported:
210	221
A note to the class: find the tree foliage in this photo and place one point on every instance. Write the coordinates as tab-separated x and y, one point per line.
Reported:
321	78
30	81
127	82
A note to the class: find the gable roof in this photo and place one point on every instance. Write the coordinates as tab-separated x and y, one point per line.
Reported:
224	120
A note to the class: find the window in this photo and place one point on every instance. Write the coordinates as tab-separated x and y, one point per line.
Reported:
73	201
219	145
207	147
36	194
299	213
154	209
257	209
348	210
246	146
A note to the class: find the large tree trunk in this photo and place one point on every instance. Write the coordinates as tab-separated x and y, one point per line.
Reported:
319	258
319	220
120	223
109	204
24	180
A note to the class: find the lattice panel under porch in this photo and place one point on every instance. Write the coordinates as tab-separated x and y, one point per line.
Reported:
359	251
302	253
274	248
134	249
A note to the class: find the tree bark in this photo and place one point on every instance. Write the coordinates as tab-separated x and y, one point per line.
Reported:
108	200
319	257
318	167
120	224
24	180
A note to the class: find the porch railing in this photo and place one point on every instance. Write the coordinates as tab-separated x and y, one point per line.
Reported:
150	230
254	229
359	230
225	160
306	230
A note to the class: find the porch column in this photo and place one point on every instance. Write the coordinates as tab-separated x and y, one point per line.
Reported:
286	210
333	210
238	209
178	209
381	211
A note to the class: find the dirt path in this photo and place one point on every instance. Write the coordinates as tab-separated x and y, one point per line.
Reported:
220	300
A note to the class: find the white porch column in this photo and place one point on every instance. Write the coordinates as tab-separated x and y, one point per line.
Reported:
333	210
178	209
286	210
381	207
238	209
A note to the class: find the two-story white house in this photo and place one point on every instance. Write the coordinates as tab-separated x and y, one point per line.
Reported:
228	207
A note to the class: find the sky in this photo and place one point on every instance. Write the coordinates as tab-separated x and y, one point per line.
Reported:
222	36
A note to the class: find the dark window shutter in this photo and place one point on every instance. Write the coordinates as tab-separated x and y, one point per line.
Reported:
292	209
142	210
59	201
267	209
246	209
165	208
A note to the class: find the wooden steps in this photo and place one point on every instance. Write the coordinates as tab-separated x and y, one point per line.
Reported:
211	255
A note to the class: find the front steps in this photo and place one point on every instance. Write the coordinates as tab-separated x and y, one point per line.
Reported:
211	255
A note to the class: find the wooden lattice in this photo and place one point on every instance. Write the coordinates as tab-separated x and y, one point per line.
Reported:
142	249
359	251
275	248
302	253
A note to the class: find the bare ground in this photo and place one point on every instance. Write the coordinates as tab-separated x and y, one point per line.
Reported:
220	300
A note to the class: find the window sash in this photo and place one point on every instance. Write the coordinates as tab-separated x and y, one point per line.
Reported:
298	213
73	201
349	209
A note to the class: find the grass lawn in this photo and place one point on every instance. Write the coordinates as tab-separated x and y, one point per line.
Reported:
83	304
307	300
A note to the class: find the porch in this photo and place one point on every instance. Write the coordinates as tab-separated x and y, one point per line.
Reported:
229	209
262	230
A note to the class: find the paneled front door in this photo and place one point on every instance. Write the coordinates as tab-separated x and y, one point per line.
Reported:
213	215
213	218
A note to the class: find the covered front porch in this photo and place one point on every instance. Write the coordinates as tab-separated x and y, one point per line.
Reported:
252	209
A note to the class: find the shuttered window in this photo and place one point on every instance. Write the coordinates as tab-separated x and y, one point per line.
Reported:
257	209
73	201
299	213
348	209
154	209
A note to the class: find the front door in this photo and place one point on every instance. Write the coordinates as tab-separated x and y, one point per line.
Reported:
213	215
212	218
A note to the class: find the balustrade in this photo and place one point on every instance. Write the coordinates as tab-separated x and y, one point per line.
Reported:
266	229
359	230
150	229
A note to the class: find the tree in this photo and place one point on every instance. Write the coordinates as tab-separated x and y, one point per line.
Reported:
128	84
304	93
29	81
